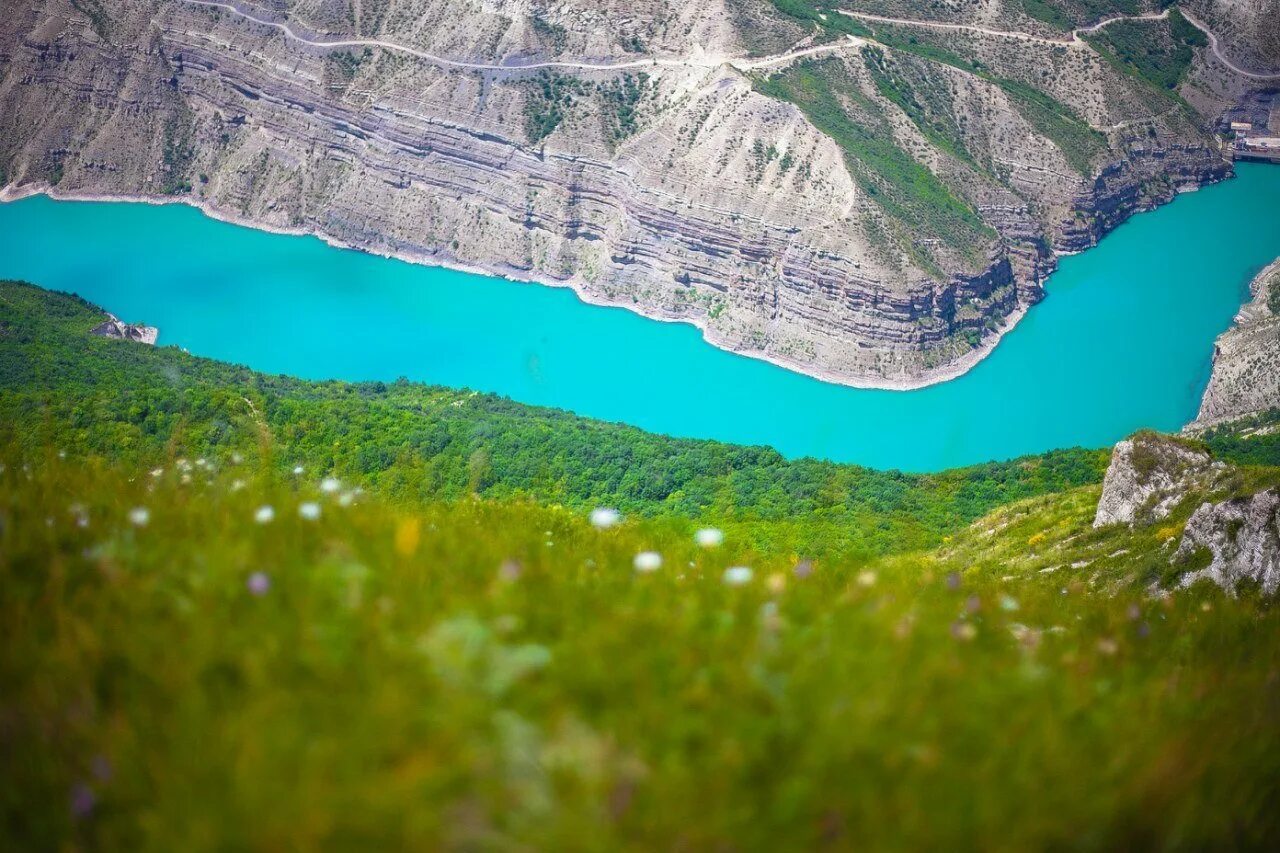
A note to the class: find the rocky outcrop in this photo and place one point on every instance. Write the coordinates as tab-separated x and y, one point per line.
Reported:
1246	359
1149	475
1236	540
113	328
678	189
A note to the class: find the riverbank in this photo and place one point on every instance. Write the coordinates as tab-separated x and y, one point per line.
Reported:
946	373
1124	342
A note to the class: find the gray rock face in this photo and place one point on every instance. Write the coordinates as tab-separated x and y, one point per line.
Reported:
695	197
1243	537
113	328
1246	359
1149	475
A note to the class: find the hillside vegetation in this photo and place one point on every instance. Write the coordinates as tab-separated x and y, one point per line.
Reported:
61	387
267	645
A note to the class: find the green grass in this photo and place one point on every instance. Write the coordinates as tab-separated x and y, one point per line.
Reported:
926	104
1079	143
1046	12
61	387
1156	52
397	686
903	187
822	15
420	666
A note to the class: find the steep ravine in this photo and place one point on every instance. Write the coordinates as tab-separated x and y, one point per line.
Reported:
775	252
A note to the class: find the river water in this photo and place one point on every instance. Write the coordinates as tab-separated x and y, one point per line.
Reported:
1123	341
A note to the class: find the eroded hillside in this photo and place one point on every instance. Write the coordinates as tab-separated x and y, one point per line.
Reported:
869	201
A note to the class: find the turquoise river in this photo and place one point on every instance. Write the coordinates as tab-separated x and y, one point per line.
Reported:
1123	340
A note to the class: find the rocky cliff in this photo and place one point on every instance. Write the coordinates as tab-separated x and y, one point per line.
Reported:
1236	540
113	328
1246	358
872	204
1149	475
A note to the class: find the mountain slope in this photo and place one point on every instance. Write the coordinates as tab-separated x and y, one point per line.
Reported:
864	201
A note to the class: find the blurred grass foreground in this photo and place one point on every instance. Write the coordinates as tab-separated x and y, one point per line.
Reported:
220	632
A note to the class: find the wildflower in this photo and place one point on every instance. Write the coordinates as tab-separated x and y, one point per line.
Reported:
777	583
83	800
309	510
709	537
803	569
509	570
157	472
963	631
1134	612
1008	604
237	485
259	583
737	575
346	498
236	458
604	517
139	516
297	470
329	485
973	604
264	515
867	578
953	580
647	561
1108	646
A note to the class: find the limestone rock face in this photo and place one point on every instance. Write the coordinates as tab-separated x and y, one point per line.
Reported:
1246	359
667	159
113	328
1243	537
1149	475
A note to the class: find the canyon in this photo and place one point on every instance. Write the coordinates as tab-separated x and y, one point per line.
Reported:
870	203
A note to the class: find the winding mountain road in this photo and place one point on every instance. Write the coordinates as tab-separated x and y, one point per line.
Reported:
1074	38
697	60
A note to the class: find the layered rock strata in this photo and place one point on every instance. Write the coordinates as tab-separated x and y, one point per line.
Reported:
673	187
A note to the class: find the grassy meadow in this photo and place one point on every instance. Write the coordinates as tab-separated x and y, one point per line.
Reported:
218	637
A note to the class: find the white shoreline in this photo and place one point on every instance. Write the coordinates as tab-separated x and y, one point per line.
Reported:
953	370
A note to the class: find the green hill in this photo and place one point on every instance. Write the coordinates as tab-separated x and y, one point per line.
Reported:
440	653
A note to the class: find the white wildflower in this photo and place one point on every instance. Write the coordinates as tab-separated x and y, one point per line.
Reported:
647	561
329	485
309	510
605	517
709	537
737	575
139	516
297	469
264	515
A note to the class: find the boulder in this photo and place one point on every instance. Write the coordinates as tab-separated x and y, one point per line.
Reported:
1150	474
113	328
1240	538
